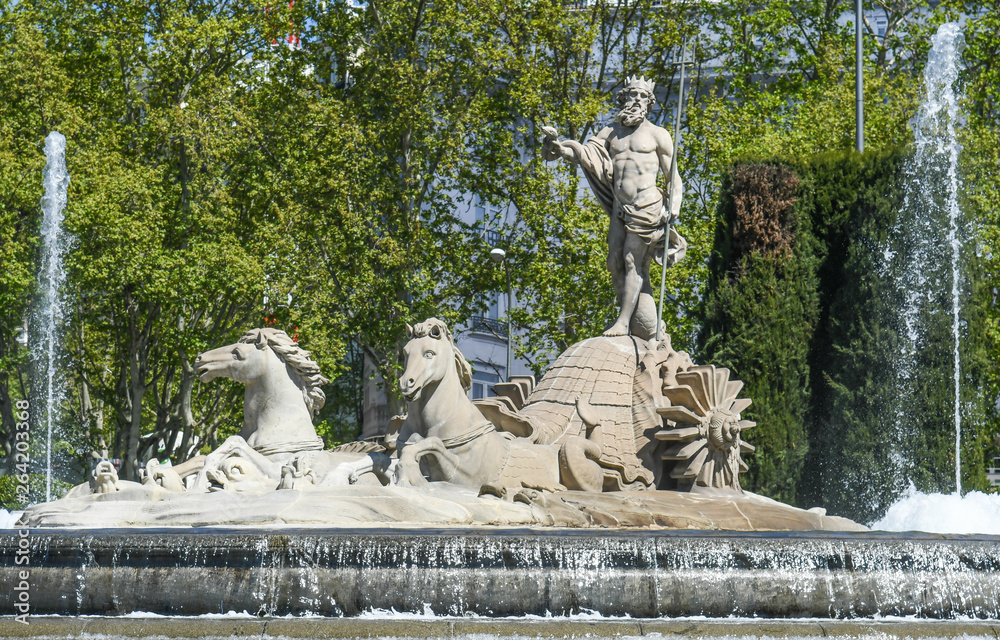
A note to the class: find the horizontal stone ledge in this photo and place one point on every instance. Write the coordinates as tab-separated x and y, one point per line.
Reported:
200	627
506	572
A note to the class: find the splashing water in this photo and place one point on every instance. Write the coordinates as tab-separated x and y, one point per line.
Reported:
936	139
974	512
932	196
8	519
924	257
51	277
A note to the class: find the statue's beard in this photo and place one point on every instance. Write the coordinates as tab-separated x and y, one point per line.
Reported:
632	116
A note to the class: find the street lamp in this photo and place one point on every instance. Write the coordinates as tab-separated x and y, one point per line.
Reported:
498	255
859	94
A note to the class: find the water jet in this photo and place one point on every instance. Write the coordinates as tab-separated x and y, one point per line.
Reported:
51	307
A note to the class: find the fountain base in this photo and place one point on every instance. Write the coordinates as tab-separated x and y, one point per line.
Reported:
591	627
507	572
433	505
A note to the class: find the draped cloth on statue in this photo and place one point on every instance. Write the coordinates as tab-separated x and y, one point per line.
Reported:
645	218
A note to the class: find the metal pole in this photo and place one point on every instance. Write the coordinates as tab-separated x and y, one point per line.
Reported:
506	269
670	180
859	106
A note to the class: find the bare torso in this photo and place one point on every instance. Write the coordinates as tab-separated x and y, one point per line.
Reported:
637	154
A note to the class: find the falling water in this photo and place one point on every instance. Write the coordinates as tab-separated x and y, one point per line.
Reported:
937	142
499	572
51	277
924	262
923	265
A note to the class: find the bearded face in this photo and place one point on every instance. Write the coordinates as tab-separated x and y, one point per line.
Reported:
634	105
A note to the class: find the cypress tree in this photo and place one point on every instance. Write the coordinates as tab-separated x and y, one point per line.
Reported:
760	313
804	302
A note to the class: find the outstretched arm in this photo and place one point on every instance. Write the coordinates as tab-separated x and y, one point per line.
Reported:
553	148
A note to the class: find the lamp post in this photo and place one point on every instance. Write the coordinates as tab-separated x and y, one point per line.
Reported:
859	94
499	256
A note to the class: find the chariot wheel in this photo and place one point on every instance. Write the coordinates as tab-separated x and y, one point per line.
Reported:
703	426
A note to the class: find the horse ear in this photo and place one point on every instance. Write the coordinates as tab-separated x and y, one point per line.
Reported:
436	332
409	331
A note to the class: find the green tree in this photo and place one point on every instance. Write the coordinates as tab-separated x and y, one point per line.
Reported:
980	159
761	311
176	203
36	99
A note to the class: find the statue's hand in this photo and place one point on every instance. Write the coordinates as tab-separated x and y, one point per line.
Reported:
551	147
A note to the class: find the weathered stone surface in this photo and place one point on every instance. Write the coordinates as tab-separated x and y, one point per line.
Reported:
621	164
282	389
589	460
89	627
435	504
597	376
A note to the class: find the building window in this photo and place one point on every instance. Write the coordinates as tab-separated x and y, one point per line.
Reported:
490	324
486	213
487	217
993	473
482	385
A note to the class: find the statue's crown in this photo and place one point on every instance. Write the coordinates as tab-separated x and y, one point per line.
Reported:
640	82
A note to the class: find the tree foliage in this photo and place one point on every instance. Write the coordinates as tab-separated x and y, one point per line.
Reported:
848	414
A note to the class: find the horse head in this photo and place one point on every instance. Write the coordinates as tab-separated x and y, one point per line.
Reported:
259	352
244	361
282	393
430	357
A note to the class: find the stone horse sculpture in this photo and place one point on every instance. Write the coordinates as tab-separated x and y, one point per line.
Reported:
569	432
446	438
278	447
282	389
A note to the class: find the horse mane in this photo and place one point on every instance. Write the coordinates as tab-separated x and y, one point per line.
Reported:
300	361
438	330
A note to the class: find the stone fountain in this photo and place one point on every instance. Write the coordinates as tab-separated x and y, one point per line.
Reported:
610	485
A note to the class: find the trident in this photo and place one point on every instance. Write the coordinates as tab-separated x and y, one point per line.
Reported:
670	187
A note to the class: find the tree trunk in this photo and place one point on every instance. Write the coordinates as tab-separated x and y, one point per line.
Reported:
184	409
137	389
8	426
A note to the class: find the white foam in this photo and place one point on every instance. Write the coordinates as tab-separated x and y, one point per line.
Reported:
392	614
9	520
975	512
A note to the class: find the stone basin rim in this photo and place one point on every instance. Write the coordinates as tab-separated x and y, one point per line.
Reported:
486	531
284	627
